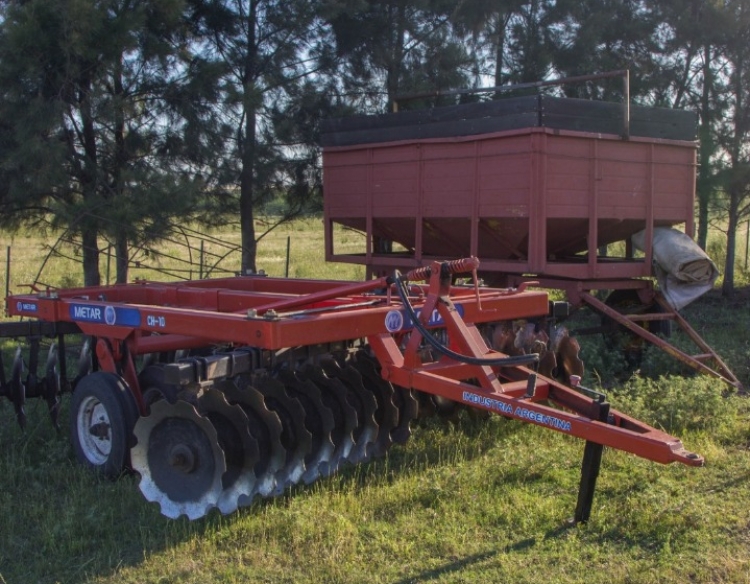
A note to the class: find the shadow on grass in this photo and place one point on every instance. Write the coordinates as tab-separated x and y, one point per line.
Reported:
475	559
61	523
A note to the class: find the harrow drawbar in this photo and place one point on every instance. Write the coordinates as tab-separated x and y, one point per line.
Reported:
217	392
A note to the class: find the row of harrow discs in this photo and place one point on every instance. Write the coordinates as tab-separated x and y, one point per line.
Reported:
224	443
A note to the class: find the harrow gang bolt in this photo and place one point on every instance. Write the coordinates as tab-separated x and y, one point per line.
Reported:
182	457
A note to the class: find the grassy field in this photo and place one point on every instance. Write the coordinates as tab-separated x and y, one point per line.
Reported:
462	501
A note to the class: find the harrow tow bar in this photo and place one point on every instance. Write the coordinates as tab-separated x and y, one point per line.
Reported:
514	391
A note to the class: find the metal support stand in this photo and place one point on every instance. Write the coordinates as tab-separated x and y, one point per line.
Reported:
592	460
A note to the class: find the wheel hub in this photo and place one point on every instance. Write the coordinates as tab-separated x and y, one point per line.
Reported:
182	458
94	430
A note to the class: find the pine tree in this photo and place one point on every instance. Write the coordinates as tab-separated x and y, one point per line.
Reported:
276	58
102	120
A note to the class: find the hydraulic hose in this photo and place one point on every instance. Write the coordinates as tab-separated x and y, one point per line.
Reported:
443	350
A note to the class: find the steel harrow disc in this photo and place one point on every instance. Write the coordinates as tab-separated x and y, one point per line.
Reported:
179	459
387	414
295	437
404	399
265	426
240	448
318	420
18	388
367	430
51	391
334	394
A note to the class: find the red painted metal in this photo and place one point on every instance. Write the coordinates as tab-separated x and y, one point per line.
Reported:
185	315
506	390
696	362
534	200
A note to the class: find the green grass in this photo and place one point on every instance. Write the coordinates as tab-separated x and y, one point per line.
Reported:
466	501
471	502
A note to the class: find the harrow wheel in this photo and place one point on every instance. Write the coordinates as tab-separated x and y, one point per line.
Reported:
153	386
318	420
387	414
179	459
18	388
402	399
52	386
102	416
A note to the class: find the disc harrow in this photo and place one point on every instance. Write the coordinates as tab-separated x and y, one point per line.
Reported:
318	420
398	406
217	392
295	439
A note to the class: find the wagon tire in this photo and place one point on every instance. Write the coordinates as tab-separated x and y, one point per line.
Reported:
102	416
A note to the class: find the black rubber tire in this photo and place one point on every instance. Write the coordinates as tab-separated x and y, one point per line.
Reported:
104	400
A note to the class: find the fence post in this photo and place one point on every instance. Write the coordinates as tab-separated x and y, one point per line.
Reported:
7	272
288	246
109	261
200	262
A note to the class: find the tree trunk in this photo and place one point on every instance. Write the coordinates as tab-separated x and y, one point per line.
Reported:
397	20
247	175
91	276
727	288
89	179
121	159
501	23
121	258
706	149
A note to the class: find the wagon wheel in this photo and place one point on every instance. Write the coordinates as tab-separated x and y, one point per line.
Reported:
619	338
102	416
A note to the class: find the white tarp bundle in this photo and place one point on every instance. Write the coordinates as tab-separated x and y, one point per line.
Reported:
684	271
